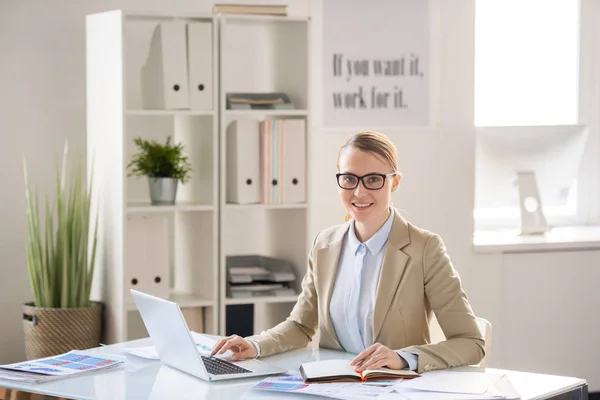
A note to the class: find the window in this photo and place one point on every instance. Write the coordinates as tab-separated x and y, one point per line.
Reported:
527	111
526	62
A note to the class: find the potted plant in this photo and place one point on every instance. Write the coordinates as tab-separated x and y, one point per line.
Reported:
61	251
164	164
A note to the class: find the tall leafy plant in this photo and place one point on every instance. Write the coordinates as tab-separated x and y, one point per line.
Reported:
157	160
61	266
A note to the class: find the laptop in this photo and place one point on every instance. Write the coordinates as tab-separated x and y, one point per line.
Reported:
176	347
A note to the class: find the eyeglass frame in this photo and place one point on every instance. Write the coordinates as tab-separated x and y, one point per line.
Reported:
360	179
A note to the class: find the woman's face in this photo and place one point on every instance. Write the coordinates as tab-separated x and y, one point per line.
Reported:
364	205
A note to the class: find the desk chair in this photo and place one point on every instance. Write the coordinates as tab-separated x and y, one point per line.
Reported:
437	335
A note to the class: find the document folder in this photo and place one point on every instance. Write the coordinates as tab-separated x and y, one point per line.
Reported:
147	256
200	71
271	147
293	177
243	179
164	75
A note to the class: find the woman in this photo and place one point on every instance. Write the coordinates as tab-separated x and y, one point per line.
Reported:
373	282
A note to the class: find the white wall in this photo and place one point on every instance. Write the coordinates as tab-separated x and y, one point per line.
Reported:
437	163
42	103
42	83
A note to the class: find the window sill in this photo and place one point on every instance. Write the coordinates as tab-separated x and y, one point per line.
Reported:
563	238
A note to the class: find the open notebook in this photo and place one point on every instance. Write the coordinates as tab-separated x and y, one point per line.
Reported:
342	371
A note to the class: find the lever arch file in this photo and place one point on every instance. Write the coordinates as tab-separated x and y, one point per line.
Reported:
243	179
293	177
271	146
199	57
147	256
164	75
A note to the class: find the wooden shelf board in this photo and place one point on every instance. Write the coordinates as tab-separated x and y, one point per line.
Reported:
147	208
266	113
141	112
261	300
299	206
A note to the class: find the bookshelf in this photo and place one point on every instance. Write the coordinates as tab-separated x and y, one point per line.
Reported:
117	47
248	54
274	54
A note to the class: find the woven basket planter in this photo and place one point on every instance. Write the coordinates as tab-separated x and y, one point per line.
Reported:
51	331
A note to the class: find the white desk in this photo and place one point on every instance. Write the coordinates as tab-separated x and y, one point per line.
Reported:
148	379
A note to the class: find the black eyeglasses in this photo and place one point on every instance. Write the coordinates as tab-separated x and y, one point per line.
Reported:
369	181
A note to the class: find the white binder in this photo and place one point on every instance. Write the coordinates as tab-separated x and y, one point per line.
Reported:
293	177
147	256
243	179
271	150
199	56
164	75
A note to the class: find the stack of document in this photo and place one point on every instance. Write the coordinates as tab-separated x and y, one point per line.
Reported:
255	275
436	385
60	366
346	391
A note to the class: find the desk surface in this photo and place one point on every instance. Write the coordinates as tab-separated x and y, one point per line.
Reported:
148	379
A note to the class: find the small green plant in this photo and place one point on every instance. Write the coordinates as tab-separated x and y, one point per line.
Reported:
61	267
158	160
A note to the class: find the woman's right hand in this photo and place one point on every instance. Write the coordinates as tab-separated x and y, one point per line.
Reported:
241	348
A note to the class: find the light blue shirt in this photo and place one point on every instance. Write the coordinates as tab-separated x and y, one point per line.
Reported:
357	278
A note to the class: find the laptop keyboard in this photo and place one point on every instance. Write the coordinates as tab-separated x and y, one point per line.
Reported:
216	366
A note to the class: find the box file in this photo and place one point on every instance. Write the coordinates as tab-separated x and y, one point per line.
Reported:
200	68
164	75
147	256
283	161
271	148
243	180
293	179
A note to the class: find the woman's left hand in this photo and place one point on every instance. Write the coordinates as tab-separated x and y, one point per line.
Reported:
378	356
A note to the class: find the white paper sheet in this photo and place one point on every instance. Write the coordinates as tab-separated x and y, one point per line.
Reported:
502	390
204	344
451	382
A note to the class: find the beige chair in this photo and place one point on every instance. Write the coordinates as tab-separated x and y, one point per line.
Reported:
437	335
486	331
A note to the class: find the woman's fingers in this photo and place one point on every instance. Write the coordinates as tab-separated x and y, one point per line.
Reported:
377	363
363	355
232	344
242	354
371	361
218	346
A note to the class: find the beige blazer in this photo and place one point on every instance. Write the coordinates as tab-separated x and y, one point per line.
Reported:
417	278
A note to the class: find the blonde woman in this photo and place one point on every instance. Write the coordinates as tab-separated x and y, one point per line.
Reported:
373	282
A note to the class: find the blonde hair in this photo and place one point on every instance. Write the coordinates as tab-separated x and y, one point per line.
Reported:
376	143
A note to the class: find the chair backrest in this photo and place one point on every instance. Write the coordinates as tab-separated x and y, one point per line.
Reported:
437	335
486	331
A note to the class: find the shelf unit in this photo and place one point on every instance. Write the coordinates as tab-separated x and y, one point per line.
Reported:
117	47
274	53
249	54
